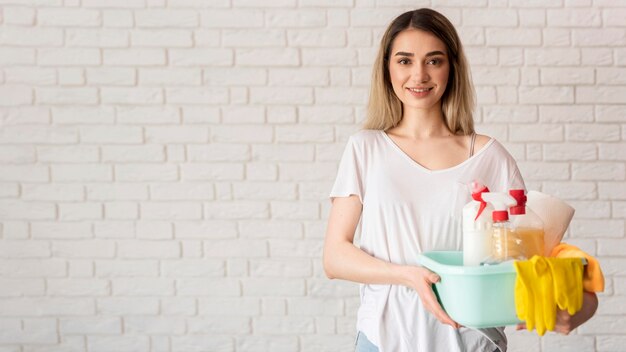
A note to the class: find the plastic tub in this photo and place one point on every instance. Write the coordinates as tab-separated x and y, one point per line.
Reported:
473	296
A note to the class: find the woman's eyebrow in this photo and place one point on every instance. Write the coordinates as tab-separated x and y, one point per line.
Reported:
432	53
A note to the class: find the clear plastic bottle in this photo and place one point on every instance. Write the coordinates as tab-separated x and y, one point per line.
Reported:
477	227
528	225
505	243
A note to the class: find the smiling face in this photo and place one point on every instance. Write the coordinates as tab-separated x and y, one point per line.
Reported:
419	69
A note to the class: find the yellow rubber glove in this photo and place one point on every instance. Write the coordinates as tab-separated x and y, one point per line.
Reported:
534	294
568	283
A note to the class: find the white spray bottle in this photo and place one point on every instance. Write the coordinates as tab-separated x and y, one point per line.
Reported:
477	227
505	244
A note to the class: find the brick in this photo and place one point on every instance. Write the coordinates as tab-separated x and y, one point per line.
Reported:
271	287
154	325
15	95
569	151
266	343
21	287
112	76
611	76
53	192
119	191
100	38
32	268
83	115
558	113
267	57
598	171
68	17
38	134
505	114
81	173
530	133
243	114
202	287
139	96
134	57
490	17
612	151
47	306
89	326
17	56
200	57
148	249
513	37
196	96
29	331
22	249
220	325
202	115
66	96
543	171
126	343
378	18
592	132
170	77
228	306
611	190
114	229
192	267
17	154
31	37
142	286
280	268
144	153
206	228
253	38
170	38
603	325
236	248
19	15
171	210
288	152
178	134
236	210
77	287
611	37
68	57
307	38
332	56
127	306
92	248
610	113
546	95
146	172
61	230
242	134
298	77
597	228
126	268
562	76
117	18
30	76
186	191
195	343
574	18
231	19
263	191
546	57
11	210
166	18
261	172
596	95
212	172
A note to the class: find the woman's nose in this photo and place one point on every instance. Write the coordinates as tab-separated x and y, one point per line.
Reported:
420	74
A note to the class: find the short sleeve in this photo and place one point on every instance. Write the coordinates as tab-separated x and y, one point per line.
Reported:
349	179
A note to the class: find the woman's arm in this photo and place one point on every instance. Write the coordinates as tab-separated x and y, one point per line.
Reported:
566	323
343	260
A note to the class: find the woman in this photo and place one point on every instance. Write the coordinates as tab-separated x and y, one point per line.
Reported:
401	186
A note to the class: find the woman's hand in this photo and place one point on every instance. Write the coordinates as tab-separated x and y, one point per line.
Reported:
422	280
566	323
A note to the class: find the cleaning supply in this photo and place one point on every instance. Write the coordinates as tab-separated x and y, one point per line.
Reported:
543	284
528	225
505	244
477	227
555	214
593	279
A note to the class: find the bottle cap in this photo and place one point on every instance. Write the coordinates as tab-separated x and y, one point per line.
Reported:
520	197
500	215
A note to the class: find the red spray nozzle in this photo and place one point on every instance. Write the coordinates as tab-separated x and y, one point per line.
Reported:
521	198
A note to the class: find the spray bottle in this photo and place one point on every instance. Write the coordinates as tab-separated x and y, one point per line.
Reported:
477	227
505	242
528	225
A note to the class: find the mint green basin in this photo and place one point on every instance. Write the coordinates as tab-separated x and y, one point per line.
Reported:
473	296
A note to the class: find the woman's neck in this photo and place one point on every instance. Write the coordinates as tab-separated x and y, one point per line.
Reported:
422	124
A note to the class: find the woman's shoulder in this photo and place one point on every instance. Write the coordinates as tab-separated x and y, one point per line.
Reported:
365	136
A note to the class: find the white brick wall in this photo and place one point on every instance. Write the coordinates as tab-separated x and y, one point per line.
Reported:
165	163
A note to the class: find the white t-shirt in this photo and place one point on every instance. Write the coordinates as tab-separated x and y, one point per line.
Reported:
409	209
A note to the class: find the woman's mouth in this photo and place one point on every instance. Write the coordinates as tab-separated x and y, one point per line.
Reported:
420	92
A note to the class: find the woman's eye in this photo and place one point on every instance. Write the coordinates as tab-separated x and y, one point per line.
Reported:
403	61
434	61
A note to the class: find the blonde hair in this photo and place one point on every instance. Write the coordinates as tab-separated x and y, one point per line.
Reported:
384	109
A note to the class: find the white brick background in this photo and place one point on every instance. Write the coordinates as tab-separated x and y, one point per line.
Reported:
165	163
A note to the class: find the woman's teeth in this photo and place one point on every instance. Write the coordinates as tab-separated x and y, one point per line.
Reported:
420	90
